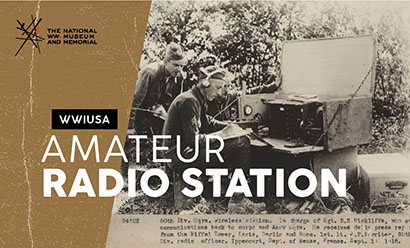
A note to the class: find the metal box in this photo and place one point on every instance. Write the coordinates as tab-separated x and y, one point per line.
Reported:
340	72
385	178
301	123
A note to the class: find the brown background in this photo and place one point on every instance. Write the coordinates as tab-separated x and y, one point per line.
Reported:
62	76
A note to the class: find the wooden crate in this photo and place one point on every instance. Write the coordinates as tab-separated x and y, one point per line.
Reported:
340	72
385	178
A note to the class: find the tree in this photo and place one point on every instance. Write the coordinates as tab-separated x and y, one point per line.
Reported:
247	38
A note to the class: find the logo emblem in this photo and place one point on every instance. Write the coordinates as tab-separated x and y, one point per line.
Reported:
29	33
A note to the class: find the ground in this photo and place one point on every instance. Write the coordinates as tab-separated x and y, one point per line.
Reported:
143	204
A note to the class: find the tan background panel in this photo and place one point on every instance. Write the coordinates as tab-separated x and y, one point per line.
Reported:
62	76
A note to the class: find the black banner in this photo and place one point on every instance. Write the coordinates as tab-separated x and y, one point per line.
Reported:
84	118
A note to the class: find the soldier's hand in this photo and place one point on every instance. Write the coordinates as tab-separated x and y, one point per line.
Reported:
159	111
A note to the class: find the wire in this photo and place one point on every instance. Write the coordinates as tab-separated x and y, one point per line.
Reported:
339	107
220	112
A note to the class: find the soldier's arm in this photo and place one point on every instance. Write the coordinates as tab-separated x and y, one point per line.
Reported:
190	116
215	124
141	89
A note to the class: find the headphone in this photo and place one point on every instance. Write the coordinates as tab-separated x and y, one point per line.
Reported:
205	82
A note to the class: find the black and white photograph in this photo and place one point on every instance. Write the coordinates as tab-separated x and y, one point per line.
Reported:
248	107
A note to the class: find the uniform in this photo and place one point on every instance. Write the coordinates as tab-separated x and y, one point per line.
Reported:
154	87
187	118
157	85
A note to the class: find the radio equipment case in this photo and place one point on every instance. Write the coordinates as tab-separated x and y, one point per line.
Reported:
385	178
340	73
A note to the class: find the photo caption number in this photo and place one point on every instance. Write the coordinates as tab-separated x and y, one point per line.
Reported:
130	220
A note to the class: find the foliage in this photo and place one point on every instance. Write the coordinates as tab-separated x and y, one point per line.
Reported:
246	37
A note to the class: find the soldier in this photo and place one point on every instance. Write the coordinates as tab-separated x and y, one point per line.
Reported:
187	118
157	85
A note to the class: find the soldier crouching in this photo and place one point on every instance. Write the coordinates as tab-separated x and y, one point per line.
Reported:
187	118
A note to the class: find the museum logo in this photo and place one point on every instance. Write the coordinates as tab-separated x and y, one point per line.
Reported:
55	35
29	33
